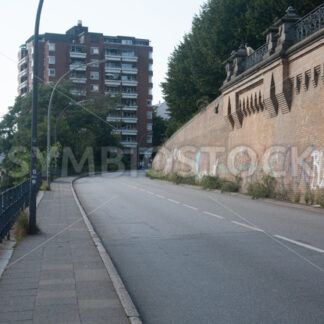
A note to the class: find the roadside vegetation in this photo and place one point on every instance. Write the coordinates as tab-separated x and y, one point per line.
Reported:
206	182
266	187
21	227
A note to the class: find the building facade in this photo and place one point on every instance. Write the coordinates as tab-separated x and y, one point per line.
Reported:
99	64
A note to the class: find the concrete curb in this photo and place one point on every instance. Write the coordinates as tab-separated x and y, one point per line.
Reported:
7	247
126	301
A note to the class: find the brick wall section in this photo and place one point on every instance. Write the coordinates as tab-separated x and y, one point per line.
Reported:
270	121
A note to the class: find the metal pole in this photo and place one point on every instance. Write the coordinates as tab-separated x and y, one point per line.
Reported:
33	172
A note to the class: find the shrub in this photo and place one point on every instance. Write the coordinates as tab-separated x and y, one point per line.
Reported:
230	186
257	190
21	228
283	194
152	174
297	196
270	184
45	186
309	197
320	199
266	188
189	180
176	178
211	182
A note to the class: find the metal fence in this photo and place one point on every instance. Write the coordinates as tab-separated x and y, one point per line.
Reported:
12	201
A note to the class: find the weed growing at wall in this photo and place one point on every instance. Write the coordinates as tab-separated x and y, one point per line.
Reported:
266	188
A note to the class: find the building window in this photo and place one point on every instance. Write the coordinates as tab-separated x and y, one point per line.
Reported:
150	67
51	72
150	55
149	103
94	50
51	47
150	92
95	63
128	53
94	75
149	115
94	87
127	42
150	79
31	63
149	126
149	139
51	60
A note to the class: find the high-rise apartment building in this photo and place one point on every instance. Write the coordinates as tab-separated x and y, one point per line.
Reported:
119	65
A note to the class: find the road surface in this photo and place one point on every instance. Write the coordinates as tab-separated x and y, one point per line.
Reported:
193	256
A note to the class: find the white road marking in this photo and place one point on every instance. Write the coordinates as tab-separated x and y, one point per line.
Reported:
191	207
174	201
160	196
307	246
214	215
150	192
248	226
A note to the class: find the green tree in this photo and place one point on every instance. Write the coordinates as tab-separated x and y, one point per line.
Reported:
159	129
79	125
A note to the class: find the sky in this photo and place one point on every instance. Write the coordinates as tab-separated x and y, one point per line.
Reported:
163	22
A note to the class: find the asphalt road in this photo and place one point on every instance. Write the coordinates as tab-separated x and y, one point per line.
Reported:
192	256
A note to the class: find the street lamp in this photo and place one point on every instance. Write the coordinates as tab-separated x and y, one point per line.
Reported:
49	111
33	163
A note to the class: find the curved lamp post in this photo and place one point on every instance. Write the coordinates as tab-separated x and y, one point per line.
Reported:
49	110
33	172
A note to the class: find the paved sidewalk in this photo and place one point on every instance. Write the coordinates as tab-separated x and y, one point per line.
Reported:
58	275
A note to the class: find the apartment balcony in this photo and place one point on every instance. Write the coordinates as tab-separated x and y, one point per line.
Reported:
129	70
127	95
78	79
78	54
129	144
131	83
110	57
23	72
78	67
131	120
112	82
128	108
112	69
23	85
129	58
23	60
77	92
126	131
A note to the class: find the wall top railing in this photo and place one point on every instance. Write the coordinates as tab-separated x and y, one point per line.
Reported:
310	23
286	32
256	56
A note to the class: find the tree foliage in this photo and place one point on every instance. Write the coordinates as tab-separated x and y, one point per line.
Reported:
195	69
74	124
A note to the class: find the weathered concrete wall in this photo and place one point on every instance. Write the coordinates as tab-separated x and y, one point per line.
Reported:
270	120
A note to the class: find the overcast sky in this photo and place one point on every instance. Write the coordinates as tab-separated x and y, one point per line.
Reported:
163	22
